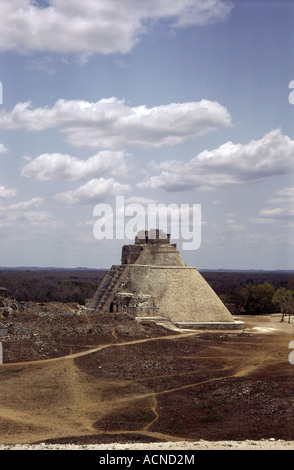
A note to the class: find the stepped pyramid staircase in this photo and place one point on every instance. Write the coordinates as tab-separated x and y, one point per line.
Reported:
107	288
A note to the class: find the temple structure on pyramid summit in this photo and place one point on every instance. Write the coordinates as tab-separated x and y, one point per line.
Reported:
153	283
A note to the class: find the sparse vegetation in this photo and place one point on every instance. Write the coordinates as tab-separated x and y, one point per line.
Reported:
261	293
51	285
285	299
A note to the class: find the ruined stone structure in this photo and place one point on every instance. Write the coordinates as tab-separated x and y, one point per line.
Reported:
154	283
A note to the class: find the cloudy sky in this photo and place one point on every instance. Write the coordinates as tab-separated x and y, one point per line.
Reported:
152	101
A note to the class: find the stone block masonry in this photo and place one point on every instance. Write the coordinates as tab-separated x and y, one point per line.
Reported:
153	281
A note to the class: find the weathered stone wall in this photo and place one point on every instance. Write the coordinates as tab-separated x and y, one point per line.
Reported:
160	255
152	237
130	253
140	305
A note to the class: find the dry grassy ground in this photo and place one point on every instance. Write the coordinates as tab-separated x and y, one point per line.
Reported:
141	385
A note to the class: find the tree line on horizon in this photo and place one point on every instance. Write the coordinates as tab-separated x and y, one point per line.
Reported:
261	299
50	286
247	296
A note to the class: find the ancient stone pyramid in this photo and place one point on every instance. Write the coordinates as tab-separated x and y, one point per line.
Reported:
154	282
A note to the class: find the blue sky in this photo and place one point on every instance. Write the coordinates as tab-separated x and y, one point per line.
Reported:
157	101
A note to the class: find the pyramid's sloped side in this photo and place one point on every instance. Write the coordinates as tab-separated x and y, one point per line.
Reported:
181	293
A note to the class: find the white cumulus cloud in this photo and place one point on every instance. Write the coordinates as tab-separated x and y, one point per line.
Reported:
7	193
94	190
229	164
279	208
25	205
96	26
3	149
52	166
112	124
24	214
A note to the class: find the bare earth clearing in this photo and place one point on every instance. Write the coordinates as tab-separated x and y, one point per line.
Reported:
91	381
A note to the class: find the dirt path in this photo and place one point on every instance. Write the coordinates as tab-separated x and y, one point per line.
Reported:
54	398
93	350
60	398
